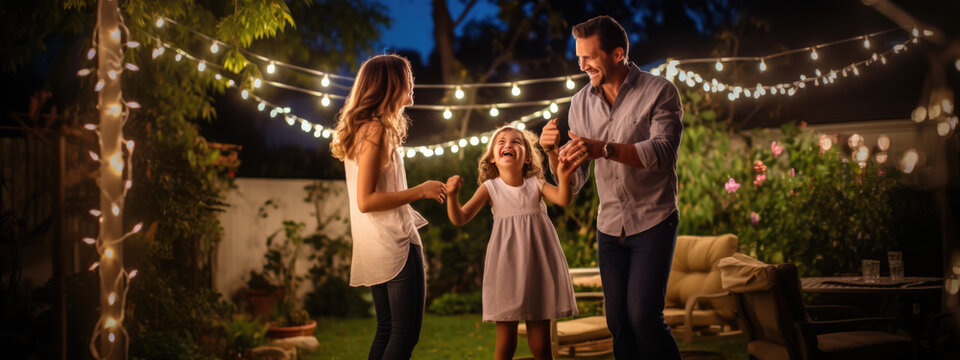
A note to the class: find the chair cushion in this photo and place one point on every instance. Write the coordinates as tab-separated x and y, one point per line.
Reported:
864	344
694	269
674	316
766	350
578	330
588	281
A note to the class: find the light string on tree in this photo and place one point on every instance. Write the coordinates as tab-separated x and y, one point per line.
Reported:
109	338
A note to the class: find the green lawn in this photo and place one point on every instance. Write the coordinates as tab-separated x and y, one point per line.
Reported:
454	337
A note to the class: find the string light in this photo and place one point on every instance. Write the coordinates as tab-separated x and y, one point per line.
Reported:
201	66
718	65
271	68
325	101
159	22
214	47
244	94
83	72
91	53
325	81
257	83
89	241
866	42
447	114
571	84
813	54
458	93
515	91
763	65
494	111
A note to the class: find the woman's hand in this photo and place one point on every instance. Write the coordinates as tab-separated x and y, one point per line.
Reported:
432	189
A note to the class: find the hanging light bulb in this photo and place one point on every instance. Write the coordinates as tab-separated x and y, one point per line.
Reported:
271	68
325	101
83	72
909	160
883	143
326	134
454	149
178	57
459	93
157	52
201	66
515	90
570	83
159	22
257	83
115	34
447	114
325	81
547	114
494	111
484	139
813	54
231	83
214	47
411	153
244	94
554	107
856	71
763	65
474	141
131	67
718	65
261	106
462	142
866	42
133	44
305	125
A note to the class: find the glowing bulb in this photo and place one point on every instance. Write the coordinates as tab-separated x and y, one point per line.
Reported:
484	139
927	32
290	119
458	93
494	111
112	74
447	114
763	65
909	161
474	141
515	90
112	298
114	109
547	114
817	71
159	22
943	128
99	85
427	152
115	34
326	134
111	336
91	53
919	114
214	47
133	104
718	66
108	253
201	66
862	154
261	106
271	68
947	106
883	143
95	212
133	44
244	94
438	151
462	142
325	81
856	71
89	241
571	84
273	113
157	52
934	111
116	162
231	83
731	96
813	54
83	72
854	140
825	143
554	107
866	42
132	274
137	227
521	126
257	83
115	209
915	32
411	153
791	91
127	185
325	101
454	149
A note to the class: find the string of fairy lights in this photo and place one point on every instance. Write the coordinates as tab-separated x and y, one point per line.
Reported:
115	177
671	70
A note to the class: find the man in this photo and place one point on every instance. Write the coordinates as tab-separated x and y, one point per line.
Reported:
629	122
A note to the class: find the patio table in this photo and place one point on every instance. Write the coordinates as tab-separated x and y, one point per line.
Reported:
855	285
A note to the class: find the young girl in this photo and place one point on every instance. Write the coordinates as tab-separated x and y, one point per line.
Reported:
387	253
525	274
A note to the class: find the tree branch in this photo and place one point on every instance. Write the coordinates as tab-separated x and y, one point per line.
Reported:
464	13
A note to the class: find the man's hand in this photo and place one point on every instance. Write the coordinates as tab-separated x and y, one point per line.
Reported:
580	147
549	136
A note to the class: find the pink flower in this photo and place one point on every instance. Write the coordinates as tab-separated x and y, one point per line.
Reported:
759	167
793	173
776	149
731	186
760	179
754	218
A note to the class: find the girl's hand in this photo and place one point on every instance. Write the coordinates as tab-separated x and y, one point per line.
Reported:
432	189
453	184
566	168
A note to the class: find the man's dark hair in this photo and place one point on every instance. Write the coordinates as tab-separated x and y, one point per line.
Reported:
610	33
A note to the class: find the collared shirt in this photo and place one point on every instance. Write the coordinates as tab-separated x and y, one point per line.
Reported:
646	113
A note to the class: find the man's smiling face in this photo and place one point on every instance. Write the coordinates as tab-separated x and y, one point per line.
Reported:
593	60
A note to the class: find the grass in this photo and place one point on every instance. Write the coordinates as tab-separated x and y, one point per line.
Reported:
455	337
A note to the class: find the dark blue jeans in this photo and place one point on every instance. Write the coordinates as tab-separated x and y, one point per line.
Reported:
634	271
399	304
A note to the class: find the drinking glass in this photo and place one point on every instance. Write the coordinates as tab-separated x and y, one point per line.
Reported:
894	256
896	270
871	271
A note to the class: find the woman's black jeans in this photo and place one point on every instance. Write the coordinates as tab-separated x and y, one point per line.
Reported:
399	304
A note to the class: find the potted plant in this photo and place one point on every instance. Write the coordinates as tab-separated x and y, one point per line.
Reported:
282	257
262	296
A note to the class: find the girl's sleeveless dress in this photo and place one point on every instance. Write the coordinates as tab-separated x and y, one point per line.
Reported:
525	276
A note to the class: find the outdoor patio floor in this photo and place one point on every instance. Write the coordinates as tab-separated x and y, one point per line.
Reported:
457	337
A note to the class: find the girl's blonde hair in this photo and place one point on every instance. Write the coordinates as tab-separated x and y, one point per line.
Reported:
487	169
377	95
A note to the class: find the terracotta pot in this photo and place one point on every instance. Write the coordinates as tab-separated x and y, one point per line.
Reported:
263	301
279	332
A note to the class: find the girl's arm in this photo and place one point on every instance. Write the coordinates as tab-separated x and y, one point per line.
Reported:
562	193
368	171
461	215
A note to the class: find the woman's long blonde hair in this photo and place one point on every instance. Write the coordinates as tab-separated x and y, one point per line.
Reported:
378	95
487	170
